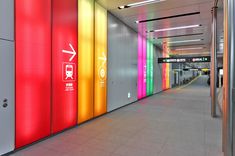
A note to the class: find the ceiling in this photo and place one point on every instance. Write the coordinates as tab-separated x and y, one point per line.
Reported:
164	9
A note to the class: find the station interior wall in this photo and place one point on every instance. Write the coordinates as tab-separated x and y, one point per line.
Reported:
38	115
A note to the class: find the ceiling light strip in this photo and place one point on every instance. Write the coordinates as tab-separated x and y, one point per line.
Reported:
168	17
164	37
176	28
193	48
192	53
137	4
174	46
185	41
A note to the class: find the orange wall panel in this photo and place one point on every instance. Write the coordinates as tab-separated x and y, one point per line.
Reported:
100	102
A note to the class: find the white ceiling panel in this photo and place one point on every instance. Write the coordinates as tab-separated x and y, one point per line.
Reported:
164	9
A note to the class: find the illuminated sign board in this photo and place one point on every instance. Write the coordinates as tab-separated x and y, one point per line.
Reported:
185	59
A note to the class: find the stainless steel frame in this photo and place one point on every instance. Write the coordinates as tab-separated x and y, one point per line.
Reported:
213	77
228	105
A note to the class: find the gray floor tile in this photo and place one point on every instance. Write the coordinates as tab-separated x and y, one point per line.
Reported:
173	123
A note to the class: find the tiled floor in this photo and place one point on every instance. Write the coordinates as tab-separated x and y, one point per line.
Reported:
174	123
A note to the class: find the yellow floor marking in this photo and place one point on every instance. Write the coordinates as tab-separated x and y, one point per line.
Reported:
188	83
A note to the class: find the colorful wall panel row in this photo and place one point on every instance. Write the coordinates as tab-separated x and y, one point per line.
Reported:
61	66
92	60
145	67
56	86
50	94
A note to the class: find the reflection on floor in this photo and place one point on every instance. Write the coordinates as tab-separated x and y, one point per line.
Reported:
174	123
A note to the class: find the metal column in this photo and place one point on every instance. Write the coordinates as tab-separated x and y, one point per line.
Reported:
213	76
228	105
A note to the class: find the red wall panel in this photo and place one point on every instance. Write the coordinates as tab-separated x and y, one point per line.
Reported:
33	70
64	65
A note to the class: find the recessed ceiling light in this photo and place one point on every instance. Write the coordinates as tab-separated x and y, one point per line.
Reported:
137	4
194	48
175	28
185	41
121	7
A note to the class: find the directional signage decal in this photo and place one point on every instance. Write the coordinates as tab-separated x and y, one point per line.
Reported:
185	59
69	69
102	69
73	52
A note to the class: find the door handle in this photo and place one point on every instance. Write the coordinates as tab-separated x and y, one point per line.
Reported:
5	103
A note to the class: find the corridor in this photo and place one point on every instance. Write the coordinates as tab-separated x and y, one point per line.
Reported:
173	123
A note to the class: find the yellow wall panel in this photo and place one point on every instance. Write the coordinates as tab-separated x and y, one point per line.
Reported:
100	102
85	59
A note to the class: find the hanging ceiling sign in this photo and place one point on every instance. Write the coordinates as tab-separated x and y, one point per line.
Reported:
185	59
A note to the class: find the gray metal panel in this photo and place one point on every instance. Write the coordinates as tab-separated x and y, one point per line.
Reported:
122	64
7	90
7	19
157	71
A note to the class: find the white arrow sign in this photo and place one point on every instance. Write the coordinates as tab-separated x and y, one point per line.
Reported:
103	58
73	52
